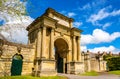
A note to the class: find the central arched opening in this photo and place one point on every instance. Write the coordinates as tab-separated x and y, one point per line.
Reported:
61	49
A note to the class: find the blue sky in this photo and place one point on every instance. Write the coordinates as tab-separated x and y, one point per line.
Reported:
99	20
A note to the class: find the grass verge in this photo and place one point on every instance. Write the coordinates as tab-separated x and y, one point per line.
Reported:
92	73
117	72
31	77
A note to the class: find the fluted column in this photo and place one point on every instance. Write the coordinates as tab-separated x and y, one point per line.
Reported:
39	44
74	49
43	41
52	44
78	49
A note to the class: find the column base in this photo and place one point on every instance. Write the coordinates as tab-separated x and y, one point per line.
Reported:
46	68
76	67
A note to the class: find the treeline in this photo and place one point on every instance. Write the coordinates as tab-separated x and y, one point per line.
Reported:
113	63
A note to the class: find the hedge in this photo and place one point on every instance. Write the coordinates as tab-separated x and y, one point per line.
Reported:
113	63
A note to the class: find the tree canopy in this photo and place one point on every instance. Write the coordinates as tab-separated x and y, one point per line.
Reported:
12	7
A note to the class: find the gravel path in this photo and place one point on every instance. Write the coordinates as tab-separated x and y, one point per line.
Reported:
101	76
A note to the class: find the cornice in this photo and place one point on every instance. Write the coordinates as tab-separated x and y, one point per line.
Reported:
50	10
76	29
45	15
39	21
63	26
33	23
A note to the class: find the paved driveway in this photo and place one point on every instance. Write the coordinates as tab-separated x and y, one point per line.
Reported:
101	76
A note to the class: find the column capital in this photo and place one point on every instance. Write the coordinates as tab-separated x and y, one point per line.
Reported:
52	29
44	27
39	29
73	36
78	37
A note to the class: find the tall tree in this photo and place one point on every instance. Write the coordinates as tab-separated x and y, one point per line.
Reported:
12	7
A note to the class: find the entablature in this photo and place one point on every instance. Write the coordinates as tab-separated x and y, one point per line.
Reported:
64	20
75	32
62	29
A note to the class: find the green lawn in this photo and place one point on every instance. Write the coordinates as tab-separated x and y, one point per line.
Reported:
31	77
117	72
92	73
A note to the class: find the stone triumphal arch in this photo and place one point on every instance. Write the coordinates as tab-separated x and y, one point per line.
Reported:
56	43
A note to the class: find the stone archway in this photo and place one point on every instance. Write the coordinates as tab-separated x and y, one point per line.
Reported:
61	49
51	30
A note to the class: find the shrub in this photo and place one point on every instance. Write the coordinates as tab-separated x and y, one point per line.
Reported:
113	63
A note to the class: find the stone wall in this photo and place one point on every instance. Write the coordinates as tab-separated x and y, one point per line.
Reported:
6	59
98	65
93	62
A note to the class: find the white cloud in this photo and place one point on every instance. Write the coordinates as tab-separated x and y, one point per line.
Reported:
87	6
10	16
106	49
106	25
15	19
100	49
71	14
99	16
99	36
14	28
83	48
77	24
21	19
86	39
102	14
15	32
114	13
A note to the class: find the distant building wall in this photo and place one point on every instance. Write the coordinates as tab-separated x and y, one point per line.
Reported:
93	62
